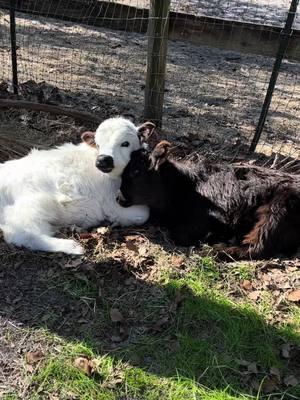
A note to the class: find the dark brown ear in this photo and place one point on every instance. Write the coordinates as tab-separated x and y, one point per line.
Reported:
159	154
89	138
146	130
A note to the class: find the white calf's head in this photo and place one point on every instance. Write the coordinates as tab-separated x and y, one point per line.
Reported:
115	140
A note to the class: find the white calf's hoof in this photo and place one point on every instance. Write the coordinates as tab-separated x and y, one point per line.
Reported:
141	215
70	247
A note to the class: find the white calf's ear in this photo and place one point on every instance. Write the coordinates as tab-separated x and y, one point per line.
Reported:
88	137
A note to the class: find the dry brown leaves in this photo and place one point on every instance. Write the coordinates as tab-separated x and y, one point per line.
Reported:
265	381
89	366
115	315
131	249
294	296
278	281
177	261
246	284
116	378
32	358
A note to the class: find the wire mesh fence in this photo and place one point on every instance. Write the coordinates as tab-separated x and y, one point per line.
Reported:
92	55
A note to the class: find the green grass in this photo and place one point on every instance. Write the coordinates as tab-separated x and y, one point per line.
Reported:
10	396
196	355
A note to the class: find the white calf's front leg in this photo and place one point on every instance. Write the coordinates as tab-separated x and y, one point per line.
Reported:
134	215
27	223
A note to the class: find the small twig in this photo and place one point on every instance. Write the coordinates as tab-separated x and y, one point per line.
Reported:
288	164
274	164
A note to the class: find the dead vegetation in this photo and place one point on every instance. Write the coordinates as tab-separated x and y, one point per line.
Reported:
134	289
135	302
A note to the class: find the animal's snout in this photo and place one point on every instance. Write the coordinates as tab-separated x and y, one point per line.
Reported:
105	163
122	200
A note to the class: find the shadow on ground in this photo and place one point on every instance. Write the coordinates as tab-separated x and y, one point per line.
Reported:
168	330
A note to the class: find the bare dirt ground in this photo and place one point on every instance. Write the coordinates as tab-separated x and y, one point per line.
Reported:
212	96
264	12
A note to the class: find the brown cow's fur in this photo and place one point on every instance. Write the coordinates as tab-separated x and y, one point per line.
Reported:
218	202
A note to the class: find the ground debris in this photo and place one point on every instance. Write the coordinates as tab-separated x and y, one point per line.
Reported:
294	296
84	364
275	281
32	357
115	315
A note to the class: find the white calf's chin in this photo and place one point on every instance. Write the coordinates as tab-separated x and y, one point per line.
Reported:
116	172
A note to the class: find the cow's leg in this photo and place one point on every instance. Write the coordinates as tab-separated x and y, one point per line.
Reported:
190	233
278	227
231	253
276	230
27	224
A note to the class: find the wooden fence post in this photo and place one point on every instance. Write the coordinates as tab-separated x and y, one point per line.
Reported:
158	29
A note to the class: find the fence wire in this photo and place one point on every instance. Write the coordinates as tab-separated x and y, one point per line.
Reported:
92	55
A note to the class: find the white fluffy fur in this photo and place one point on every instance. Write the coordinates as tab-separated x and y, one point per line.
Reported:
62	187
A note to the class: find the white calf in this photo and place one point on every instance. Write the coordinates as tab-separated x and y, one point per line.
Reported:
68	185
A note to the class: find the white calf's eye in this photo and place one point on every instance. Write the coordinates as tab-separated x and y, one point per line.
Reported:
125	144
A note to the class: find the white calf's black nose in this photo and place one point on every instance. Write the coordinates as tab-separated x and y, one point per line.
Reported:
105	163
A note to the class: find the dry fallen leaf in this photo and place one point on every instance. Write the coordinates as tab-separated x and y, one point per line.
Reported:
158	327
115	380
29	368
255	384
291	381
254	295
130	244
85	235
95	364
116	338
33	357
252	368
174	345
177	261
71	395
247	285
129	281
243	363
177	301
73	263
53	397
285	350
143	250
292	268
84	364
294	295
275	371
115	315
270	384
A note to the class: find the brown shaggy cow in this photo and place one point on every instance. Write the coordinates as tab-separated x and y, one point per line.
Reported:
216	202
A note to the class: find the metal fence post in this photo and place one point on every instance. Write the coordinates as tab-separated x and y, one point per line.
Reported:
284	40
13	46
158	29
